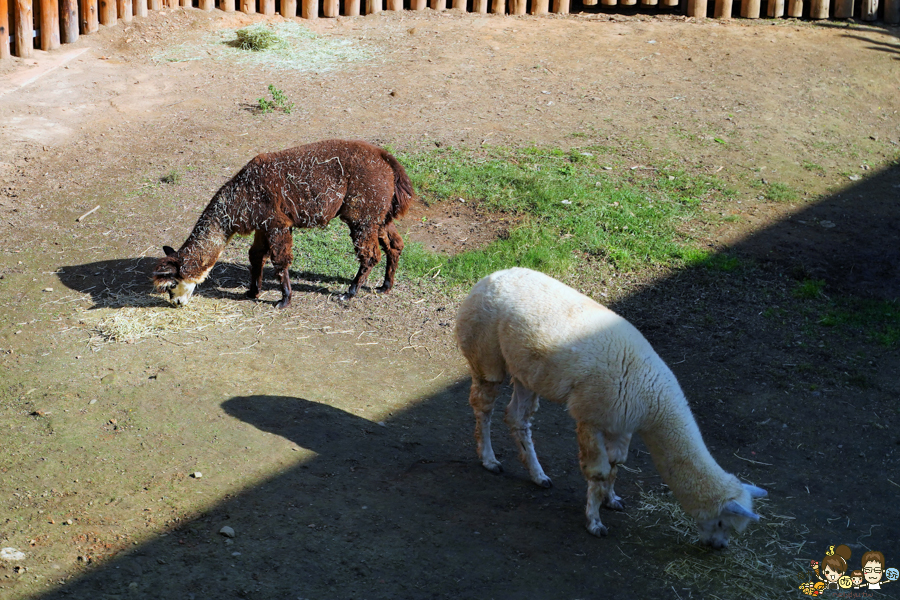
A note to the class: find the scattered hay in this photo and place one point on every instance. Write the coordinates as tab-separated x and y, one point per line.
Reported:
757	564
258	37
144	316
293	47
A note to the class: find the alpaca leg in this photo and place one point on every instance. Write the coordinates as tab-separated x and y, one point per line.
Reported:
617	451
392	244
519	415
365	241
259	252
596	469
281	254
481	398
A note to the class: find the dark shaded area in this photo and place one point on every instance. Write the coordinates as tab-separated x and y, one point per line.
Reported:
852	240
403	510
393	510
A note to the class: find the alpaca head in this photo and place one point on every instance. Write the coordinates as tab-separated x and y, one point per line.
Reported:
168	276
735	515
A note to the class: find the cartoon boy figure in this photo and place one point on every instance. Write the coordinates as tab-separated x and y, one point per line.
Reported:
857	578
873	568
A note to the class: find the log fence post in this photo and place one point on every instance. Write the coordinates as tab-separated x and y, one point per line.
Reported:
289	9
24	28
49	25
309	9
4	29
892	12
775	8
696	8
107	12
561	7
331	8
869	10
750	9
722	9
125	10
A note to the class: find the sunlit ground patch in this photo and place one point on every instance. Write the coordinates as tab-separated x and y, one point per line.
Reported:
291	47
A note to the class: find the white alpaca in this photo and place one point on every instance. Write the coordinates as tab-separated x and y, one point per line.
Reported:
559	344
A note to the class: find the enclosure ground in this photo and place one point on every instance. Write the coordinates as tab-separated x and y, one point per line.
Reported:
335	438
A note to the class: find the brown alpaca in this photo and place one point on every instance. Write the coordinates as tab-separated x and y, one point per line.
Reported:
307	186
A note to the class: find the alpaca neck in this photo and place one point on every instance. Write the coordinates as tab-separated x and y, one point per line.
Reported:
682	459
205	244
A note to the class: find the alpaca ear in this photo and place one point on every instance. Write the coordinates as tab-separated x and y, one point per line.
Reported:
169	251
733	507
755	492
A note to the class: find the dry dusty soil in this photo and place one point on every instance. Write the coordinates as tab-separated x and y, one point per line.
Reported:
335	439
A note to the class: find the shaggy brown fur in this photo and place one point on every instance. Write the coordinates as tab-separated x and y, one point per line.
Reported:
307	186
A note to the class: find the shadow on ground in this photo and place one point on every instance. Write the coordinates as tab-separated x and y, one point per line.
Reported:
403	510
121	283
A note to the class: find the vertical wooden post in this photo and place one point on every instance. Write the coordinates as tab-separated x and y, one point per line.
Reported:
540	7
818	9
247	6
4	29
123	7
88	16
49	25
24	28
153	4
776	8
722	9
649	2
479	6
696	8
670	2
561	7
309	9
289	9
629	2
454	4
228	5
750	8
330	8
351	7
498	7
609	2
892	12
107	12
435	4
590	2
869	10
795	8
266	7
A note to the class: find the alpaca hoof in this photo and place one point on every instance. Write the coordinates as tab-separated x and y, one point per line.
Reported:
597	528
284	303
545	483
614	503
493	466
383	289
345	297
252	294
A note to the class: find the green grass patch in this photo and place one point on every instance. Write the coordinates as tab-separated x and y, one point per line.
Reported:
781	192
878	319
326	252
570	208
810	289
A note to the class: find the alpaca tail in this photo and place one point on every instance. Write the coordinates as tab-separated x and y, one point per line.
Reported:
403	190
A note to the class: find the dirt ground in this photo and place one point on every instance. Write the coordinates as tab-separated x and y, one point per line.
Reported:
336	439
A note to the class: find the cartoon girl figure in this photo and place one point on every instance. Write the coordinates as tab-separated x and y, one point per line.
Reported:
857	578
834	565
873	569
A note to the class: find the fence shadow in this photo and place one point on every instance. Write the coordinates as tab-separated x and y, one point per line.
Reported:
403	510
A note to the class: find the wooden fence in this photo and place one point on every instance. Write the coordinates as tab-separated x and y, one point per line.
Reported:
45	24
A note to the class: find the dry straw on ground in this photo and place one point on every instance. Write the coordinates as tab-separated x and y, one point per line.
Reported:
757	564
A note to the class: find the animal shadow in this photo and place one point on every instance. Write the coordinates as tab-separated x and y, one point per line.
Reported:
126	282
